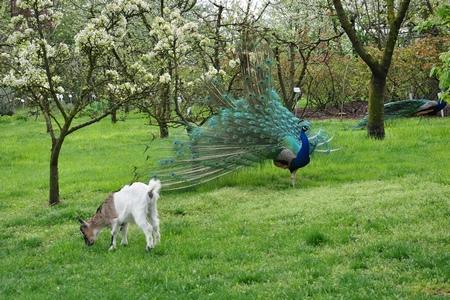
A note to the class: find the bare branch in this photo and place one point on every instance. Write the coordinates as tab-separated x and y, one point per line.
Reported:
351	33
262	12
280	73
393	35
92	121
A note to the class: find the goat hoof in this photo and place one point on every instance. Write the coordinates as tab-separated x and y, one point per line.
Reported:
148	248
112	248
157	238
124	244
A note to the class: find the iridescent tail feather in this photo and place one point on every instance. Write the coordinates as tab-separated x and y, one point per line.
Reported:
244	132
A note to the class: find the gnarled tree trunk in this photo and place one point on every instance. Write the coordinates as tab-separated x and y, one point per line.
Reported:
375	127
378	67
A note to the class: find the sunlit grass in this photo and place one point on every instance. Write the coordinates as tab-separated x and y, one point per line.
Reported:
370	221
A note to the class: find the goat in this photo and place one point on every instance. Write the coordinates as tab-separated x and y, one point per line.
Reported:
131	204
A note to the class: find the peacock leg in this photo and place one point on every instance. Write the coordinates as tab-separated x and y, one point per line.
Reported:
293	178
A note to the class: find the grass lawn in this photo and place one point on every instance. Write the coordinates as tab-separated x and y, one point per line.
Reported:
371	221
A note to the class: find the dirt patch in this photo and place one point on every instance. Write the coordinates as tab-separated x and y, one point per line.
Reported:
350	110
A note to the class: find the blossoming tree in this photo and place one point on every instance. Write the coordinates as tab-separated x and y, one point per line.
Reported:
62	79
172	41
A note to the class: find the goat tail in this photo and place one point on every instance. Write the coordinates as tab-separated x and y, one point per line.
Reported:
154	186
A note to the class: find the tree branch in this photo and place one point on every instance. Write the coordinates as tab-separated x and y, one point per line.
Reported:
47	65
279	73
351	33
393	34
390	12
92	121
46	112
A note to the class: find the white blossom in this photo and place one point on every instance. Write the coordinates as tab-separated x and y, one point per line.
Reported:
166	10
190	27
62	50
158	21
211	72
42	18
233	63
56	79
148	56
17	20
175	14
113	74
148	78
103	32
15	38
164	78
137	68
91	36
205	42
49	49
28	32
39	4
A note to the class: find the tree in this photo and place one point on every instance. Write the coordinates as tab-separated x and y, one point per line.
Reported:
298	32
173	40
441	21
221	24
61	79
379	67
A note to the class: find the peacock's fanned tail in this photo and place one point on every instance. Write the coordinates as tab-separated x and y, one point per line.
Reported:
246	131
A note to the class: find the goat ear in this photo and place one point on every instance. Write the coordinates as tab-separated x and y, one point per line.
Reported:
82	222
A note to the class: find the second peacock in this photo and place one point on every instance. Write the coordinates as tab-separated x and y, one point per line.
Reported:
244	132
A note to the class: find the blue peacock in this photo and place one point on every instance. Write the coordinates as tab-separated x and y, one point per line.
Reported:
407	109
244	132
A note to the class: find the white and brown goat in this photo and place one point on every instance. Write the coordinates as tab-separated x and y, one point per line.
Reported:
131	204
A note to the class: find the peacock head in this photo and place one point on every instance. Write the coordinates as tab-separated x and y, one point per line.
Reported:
305	125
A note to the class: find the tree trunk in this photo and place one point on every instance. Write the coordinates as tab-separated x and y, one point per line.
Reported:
114	116
378	68
163	129
375	126
54	177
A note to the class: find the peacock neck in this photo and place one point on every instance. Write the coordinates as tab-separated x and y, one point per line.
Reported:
302	158
440	105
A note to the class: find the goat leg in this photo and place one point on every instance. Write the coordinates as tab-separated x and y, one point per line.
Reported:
124	231
113	235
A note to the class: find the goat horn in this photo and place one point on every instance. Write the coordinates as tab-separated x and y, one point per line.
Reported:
81	221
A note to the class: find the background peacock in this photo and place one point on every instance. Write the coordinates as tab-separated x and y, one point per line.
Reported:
406	109
246	131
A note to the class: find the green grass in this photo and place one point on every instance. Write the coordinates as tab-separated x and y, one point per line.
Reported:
371	221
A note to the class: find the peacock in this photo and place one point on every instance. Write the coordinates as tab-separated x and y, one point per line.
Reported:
406	109
244	132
